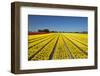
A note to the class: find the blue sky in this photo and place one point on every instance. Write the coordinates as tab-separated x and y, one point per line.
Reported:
57	23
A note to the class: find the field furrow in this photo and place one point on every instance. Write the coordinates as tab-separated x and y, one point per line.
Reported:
30	45
68	50
38	38
80	39
55	46
60	51
75	50
36	49
47	52
82	47
31	37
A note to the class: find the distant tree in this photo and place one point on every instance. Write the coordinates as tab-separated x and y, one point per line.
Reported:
44	30
40	30
52	31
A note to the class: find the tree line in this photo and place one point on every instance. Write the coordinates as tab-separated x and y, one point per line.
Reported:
48	31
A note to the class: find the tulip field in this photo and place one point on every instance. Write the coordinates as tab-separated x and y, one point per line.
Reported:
55	46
